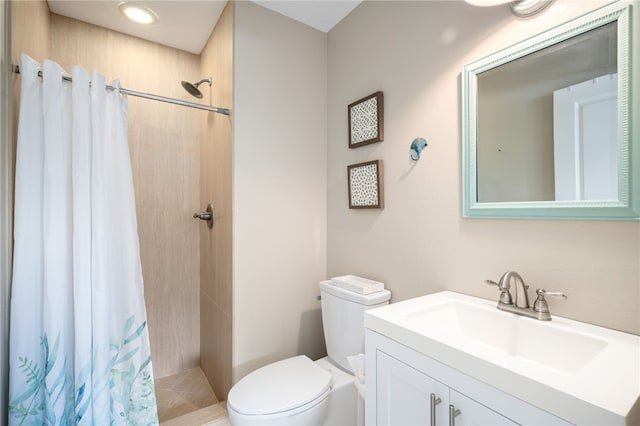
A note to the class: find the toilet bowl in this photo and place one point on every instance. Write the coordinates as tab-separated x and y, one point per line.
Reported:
308	393
299	391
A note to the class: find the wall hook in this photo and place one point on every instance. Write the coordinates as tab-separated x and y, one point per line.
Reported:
417	146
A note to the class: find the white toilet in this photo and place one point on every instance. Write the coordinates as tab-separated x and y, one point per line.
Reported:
298	391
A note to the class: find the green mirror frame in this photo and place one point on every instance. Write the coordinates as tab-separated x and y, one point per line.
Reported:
627	207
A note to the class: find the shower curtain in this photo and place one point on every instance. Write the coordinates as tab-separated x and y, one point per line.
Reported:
79	346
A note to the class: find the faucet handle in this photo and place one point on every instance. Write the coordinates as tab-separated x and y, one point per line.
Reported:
542	292
505	295
540	305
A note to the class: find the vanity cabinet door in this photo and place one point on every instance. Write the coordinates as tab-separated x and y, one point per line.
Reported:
404	395
400	382
473	413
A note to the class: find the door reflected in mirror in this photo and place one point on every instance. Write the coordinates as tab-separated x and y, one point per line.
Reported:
547	123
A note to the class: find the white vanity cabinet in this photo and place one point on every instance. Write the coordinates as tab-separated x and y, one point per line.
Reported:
405	387
406	396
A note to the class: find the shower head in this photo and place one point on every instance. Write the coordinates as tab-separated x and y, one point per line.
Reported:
192	88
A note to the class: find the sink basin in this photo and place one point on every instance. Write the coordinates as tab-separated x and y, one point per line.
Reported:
547	344
580	372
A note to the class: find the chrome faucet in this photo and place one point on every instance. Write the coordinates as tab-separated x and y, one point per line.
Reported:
540	309
522	296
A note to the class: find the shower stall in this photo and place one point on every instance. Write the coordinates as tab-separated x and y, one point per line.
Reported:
183	160
186	266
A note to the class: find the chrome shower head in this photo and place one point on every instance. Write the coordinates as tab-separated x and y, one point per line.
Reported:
192	88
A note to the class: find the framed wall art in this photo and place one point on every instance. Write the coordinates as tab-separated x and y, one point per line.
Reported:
365	185
366	120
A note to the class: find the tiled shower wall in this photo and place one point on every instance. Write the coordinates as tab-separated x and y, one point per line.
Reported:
216	186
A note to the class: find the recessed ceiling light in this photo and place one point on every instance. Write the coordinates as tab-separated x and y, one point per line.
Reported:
138	13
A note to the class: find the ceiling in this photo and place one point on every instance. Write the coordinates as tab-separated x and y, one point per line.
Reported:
187	24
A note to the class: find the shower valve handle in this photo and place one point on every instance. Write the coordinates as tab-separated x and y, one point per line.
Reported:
203	216
206	215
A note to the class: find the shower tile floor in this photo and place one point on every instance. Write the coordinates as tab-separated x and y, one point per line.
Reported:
186	398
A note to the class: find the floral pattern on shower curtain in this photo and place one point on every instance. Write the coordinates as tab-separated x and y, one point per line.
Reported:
79	344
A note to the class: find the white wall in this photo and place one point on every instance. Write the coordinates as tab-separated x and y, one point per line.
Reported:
279	187
419	243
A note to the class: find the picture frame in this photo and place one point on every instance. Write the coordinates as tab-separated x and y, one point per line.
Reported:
366	185
366	120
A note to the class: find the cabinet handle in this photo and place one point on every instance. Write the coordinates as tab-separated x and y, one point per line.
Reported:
434	401
453	412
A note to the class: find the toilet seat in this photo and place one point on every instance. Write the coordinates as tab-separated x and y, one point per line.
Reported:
284	387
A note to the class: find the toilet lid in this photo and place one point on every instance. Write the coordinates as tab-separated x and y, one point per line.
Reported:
281	386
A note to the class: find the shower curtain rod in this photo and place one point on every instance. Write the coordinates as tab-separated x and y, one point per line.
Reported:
225	111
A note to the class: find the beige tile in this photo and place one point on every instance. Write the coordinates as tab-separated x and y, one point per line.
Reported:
178	404
174	331
222	421
215	342
183	393
182	380
214	415
173	404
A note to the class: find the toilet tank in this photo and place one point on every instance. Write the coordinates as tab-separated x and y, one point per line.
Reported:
343	320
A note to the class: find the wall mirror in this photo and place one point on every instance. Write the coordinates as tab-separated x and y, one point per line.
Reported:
547	127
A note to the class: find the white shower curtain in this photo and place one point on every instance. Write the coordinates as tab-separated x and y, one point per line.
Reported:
79	346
